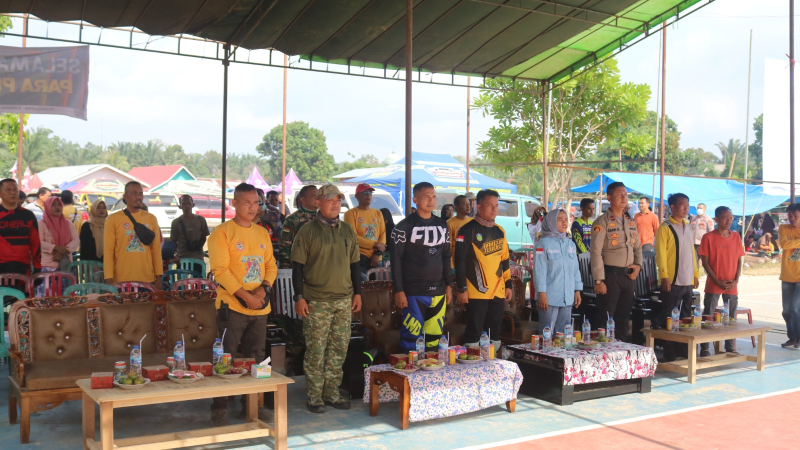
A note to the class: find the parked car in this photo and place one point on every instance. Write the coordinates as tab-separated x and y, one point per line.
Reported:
165	207
211	209
514	214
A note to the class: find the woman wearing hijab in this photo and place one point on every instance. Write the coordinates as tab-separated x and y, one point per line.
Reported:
557	277
92	232
58	236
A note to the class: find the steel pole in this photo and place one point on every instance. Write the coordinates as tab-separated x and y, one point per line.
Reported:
225	63
655	145
409	75
791	99
469	79
663	115
746	139
20	170
283	162
545	140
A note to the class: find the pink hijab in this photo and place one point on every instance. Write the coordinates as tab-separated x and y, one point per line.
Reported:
57	224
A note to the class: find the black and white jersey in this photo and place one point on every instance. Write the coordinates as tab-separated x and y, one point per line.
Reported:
421	256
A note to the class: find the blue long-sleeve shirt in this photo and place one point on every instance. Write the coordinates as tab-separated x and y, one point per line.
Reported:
556	271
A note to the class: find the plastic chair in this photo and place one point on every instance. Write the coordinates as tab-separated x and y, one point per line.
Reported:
742	310
171	276
189	264
15	280
6	292
135	286
90	288
84	270
525	256
54	282
193	284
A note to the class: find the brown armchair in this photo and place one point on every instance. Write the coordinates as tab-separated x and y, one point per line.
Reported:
380	316
517	327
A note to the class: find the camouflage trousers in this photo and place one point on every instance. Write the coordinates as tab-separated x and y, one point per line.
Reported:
327	334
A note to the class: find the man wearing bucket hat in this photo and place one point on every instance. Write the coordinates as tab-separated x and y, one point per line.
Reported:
369	226
327	285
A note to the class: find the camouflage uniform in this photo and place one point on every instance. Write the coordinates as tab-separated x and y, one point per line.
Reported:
291	226
327	333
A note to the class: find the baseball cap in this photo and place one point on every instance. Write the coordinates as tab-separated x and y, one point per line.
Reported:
329	191
470	195
363	187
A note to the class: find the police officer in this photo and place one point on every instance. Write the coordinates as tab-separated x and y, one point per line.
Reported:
616	253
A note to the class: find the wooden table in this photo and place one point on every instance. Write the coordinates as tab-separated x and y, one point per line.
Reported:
167	392
716	335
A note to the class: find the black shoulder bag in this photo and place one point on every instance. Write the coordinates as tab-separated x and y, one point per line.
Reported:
144	234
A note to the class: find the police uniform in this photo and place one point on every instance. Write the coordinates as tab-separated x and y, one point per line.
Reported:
615	246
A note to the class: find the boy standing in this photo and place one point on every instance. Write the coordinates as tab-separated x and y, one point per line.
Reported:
721	252
581	229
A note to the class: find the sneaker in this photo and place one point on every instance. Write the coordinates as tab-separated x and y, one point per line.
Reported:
789	344
316	407
339	404
704	353
219	417
263	415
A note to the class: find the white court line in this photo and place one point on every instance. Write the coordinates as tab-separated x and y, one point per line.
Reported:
760	293
625	421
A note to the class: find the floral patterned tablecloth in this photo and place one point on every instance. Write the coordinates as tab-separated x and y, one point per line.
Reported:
616	361
456	389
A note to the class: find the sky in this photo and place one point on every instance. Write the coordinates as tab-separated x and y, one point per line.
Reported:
137	96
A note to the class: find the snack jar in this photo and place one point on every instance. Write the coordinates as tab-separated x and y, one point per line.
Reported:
119	370
171	363
536	342
491	351
451	355
227	358
577	335
601	332
413	357
560	338
669	323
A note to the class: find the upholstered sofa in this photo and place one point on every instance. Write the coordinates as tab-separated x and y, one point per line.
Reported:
57	341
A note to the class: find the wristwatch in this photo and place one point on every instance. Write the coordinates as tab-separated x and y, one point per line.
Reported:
266	287
297	297
597	282
462	289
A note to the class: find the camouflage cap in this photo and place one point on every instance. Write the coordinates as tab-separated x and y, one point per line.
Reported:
329	191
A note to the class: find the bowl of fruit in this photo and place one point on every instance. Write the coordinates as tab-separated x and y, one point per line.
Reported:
185	377
468	359
405	367
430	364
132	381
590	344
226	371
603	340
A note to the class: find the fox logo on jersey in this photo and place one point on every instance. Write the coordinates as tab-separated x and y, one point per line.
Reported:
398	236
431	236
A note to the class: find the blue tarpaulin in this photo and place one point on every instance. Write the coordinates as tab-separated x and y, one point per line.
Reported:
711	192
442	171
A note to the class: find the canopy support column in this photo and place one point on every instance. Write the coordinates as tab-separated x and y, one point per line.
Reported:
663	115
746	140
225	63
409	76
545	138
468	119
791	99
20	170
283	162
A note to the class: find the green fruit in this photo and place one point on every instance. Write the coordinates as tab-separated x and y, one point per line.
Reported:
463	356
127	381
139	381
218	367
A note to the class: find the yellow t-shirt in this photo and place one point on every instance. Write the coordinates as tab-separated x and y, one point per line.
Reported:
73	216
453	224
125	257
789	241
369	228
241	258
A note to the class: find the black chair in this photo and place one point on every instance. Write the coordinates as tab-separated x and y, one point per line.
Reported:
588	297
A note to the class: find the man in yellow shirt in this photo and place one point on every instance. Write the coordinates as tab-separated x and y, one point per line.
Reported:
70	211
126	256
241	258
369	226
461	205
789	240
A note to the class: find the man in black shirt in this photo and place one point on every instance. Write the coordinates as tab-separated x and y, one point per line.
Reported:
20	248
421	270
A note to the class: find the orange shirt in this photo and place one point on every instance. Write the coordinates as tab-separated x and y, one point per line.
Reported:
647	225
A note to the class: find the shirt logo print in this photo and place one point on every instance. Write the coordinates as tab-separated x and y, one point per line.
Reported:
431	236
134	244
398	236
479	237
253	264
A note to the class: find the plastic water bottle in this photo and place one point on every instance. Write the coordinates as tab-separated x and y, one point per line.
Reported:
136	360
218	350
568	335
421	347
676	319
725	314
484	344
443	349
180	357
586	331
610	329
547	337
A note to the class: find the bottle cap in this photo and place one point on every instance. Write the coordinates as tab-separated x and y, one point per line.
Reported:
178	343
135	347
